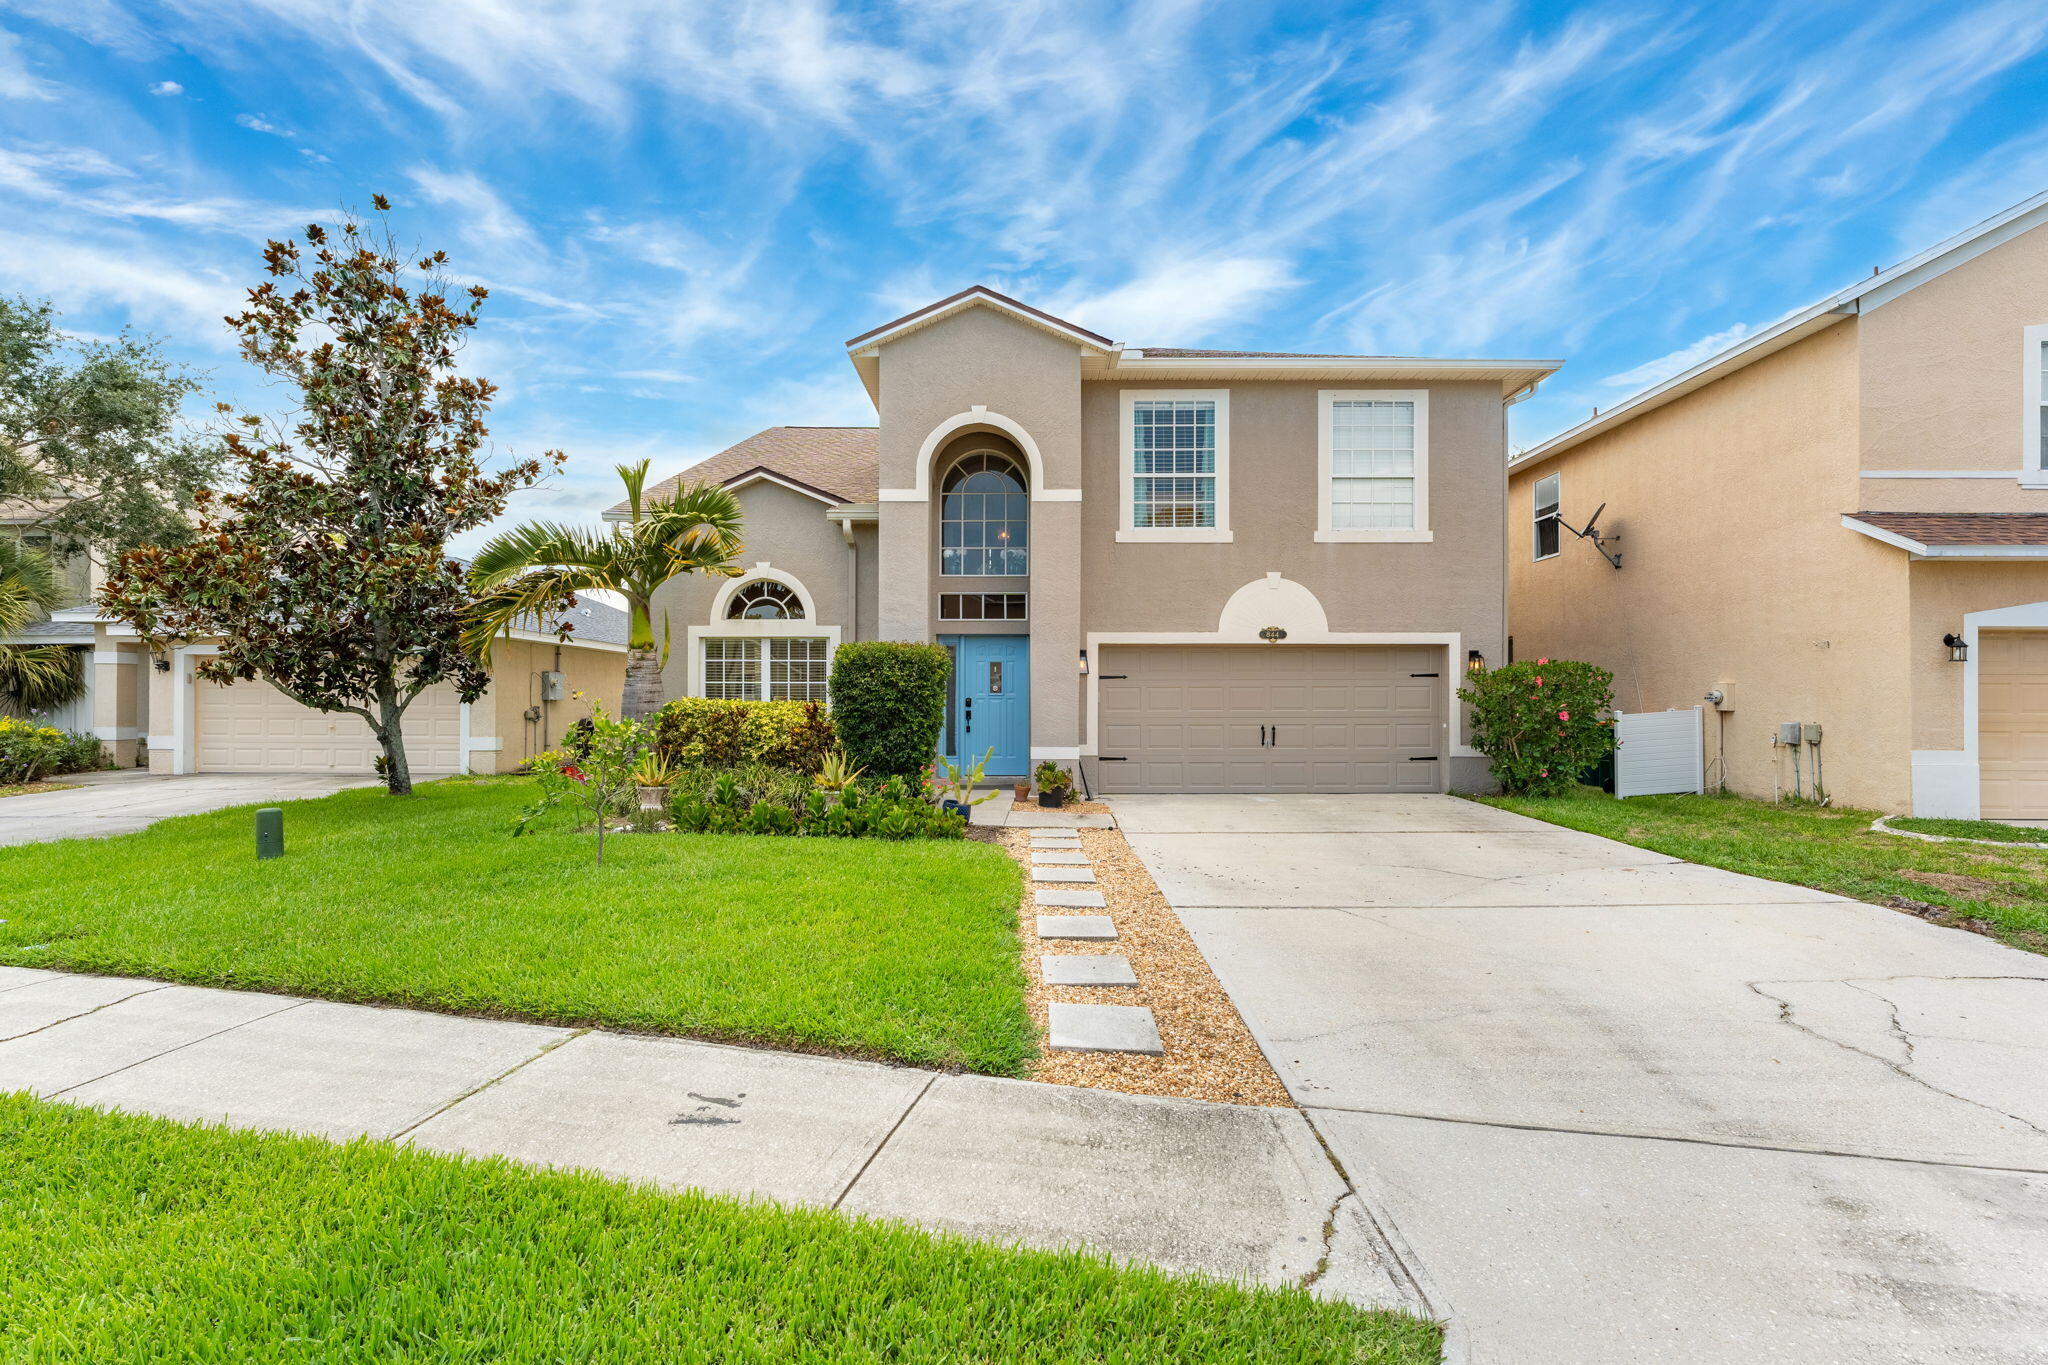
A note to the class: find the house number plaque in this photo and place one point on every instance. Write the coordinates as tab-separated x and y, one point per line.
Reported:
1273	633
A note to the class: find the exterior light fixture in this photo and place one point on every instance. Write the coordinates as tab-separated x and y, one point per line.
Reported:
1475	662
1958	648
1084	663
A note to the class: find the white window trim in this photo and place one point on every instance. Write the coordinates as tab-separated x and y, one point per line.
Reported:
1325	410
723	630
2032	475
1536	518
1127	469
762	569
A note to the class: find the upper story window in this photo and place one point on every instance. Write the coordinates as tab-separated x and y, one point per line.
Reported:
1176	465
1543	508
984	518
764	600
1373	465
2034	435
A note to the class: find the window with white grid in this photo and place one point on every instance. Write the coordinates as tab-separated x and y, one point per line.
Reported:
766	668
2034	457
1176	465
1374	466
732	669
796	669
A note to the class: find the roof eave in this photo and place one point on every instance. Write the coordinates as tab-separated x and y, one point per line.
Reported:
1922	550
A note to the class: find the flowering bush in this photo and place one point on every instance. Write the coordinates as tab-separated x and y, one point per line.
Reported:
599	778
1542	724
703	732
31	751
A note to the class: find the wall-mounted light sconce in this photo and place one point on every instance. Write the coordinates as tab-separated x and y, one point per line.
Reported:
1958	648
163	663
1475	662
1084	663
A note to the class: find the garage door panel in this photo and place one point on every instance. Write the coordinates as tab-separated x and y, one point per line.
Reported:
1342	719
253	727
2012	724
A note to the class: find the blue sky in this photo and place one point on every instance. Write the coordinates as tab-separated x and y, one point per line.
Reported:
682	210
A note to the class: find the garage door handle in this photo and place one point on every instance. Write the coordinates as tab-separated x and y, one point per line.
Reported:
1422	758
1262	736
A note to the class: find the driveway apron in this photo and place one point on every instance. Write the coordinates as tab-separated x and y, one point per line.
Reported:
1613	1107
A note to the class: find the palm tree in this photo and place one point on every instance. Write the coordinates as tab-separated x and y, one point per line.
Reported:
533	569
33	677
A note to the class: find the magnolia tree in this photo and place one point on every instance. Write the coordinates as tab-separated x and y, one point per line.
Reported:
1542	724
324	570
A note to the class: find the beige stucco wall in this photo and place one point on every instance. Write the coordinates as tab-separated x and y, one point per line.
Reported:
981	358
1737	572
516	666
1941	371
1942	594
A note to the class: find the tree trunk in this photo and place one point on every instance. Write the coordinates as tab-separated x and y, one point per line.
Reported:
643	683
391	734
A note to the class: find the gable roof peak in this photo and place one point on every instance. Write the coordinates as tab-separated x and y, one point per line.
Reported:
974	296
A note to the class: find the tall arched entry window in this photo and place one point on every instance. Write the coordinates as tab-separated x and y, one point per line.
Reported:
984	518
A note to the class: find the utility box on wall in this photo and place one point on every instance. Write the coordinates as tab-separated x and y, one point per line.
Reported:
553	687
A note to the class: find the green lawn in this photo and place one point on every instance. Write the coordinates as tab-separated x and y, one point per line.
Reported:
2005	889
127	1239
1973	829
899	950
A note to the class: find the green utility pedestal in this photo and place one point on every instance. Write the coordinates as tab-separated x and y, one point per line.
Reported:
270	832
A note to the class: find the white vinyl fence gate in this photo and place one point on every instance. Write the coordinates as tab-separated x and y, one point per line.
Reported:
1659	751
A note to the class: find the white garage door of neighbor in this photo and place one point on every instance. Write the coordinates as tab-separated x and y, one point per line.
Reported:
253	727
1251	718
2012	724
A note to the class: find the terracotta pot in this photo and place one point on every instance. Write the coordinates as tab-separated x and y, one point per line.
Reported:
1023	791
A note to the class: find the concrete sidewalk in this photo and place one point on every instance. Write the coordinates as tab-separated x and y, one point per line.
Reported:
1218	1190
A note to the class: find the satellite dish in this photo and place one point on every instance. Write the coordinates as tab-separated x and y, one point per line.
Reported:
1592	533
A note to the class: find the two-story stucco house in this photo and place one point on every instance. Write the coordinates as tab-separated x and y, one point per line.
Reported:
1186	570
1841	520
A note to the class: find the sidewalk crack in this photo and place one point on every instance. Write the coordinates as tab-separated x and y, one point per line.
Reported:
484	1085
901	1118
41	1028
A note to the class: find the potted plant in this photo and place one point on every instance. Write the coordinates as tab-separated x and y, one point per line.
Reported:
956	785
1054	782
1022	791
653	776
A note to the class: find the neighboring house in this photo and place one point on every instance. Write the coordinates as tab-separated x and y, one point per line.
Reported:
1807	518
153	708
1187	570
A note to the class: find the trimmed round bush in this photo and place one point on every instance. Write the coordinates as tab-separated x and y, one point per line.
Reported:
889	704
1542	724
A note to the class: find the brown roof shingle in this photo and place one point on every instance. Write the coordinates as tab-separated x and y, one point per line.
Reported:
840	462
1962	528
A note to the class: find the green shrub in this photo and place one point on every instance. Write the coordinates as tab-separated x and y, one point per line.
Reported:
889	702
31	751
701	732
1542	724
757	798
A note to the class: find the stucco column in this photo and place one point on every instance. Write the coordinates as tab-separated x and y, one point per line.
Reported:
904	577
164	726
1055	630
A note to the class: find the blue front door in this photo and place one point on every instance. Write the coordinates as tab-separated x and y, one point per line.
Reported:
991	702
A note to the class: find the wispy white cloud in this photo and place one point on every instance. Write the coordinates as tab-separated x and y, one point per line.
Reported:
1679	361
167	89
17	82
1174	301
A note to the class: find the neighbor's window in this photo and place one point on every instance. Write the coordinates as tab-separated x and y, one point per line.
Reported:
2035	461
1544	498
984	518
795	668
764	600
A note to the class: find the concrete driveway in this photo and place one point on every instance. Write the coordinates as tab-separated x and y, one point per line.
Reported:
1613	1107
123	802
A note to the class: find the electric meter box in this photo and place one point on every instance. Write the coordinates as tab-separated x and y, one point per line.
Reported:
552	686
1812	731
1788	732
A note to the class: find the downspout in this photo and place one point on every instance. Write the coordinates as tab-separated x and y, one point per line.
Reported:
852	579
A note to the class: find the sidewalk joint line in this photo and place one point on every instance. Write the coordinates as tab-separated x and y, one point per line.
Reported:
482	1086
1689	1141
1383	1227
270	1014
44	1028
915	1100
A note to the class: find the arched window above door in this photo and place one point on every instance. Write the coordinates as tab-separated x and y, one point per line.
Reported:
984	518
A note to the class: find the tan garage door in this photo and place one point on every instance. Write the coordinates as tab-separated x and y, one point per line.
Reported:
2012	723
1305	718
253	727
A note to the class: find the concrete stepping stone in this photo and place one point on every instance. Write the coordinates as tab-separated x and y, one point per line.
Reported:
1076	926
1054	857
1070	900
1061	874
1103	1028
1087	969
1057	819
1054	841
